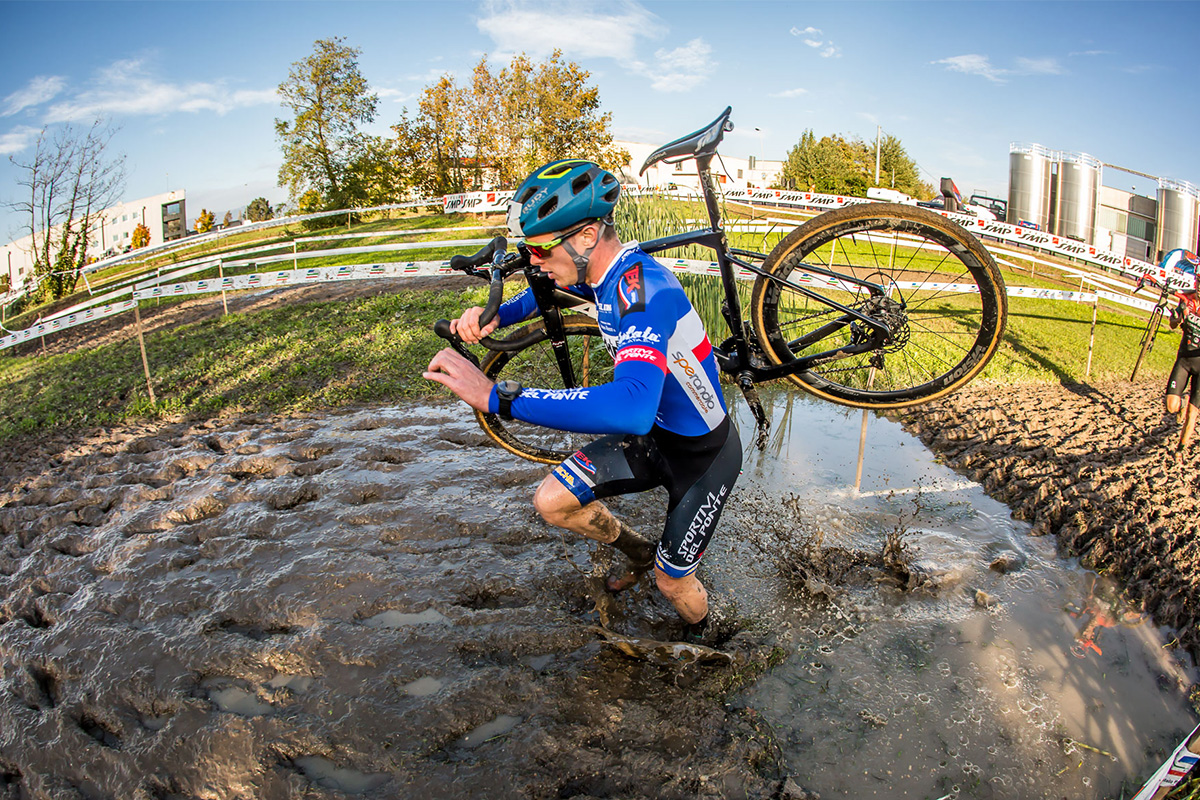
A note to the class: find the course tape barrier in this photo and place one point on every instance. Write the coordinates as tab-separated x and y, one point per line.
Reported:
147	290
980	227
68	321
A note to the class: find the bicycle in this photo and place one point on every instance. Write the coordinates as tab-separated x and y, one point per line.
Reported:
913	308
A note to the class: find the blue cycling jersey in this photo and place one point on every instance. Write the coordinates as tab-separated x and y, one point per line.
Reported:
664	372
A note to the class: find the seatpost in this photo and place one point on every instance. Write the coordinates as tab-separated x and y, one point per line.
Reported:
709	188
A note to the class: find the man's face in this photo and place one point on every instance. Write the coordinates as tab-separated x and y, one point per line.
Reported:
558	263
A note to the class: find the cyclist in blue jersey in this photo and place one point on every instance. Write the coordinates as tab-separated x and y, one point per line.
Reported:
662	419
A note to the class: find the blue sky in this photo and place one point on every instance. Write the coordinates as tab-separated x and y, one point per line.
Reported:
191	85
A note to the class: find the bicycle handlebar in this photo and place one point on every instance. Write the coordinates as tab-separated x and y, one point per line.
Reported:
501	265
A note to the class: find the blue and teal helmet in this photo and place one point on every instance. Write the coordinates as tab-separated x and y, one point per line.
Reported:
562	194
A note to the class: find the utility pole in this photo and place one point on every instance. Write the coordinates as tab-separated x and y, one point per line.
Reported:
877	133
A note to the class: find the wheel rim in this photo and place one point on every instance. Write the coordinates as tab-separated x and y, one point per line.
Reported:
943	335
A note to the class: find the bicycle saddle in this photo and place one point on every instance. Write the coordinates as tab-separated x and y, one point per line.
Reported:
701	143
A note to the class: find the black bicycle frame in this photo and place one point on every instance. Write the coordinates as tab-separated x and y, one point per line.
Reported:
740	361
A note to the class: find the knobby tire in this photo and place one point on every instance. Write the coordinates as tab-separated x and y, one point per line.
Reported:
535	366
943	338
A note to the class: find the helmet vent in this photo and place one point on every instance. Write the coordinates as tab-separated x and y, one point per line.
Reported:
547	208
581	183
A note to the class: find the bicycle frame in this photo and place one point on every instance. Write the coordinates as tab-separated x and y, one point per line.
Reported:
739	361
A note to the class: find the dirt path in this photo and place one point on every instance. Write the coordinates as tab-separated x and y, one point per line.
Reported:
1093	466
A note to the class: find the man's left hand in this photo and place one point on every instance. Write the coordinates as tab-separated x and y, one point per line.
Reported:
461	377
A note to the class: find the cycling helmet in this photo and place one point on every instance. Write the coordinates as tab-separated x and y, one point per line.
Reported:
1182	262
562	194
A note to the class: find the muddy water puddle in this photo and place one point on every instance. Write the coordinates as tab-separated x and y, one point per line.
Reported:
366	605
991	668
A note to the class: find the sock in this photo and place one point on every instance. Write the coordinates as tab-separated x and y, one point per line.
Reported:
630	542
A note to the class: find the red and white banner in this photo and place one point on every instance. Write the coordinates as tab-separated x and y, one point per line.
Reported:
476	202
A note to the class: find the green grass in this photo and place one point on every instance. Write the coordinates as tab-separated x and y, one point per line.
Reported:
300	357
372	350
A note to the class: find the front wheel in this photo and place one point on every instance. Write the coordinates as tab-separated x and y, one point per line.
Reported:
934	284
536	365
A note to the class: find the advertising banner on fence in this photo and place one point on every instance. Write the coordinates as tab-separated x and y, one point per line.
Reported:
64	322
980	227
476	202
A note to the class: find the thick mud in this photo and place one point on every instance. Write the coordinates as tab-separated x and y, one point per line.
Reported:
365	604
358	604
1094	467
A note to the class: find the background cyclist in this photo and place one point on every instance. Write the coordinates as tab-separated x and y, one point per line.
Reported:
1187	363
663	420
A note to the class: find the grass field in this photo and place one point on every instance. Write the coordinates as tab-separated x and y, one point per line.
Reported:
372	350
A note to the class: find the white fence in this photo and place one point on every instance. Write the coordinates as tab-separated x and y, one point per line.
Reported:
156	284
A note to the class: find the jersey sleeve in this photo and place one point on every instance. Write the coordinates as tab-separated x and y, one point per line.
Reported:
628	404
517	308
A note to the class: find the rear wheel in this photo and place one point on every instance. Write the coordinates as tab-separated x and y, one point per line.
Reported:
939	292
535	365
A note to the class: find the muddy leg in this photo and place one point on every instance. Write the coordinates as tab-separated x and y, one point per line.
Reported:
1189	424
687	594
559	507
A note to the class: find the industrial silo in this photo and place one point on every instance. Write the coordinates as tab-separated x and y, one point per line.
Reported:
1029	184
1178	208
1078	196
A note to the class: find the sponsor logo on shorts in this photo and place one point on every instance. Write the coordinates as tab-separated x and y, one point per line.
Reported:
565	476
689	548
584	462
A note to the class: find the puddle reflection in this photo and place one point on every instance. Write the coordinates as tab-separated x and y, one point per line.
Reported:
1017	674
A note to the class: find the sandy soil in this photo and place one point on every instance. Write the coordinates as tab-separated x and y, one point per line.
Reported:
1093	466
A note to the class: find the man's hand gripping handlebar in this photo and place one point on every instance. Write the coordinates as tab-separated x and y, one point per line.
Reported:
500	264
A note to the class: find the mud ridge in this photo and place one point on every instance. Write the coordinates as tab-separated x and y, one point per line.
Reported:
1093	466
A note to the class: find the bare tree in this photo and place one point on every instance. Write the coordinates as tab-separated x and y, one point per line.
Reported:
67	183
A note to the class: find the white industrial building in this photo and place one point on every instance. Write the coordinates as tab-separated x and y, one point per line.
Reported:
164	214
731	172
1063	193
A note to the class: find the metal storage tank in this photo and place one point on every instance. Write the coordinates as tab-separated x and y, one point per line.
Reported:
1078	196
1178	207
1029	184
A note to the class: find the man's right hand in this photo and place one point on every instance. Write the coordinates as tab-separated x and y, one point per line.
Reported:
467	326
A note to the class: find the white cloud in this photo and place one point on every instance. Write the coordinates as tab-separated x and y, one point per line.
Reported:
395	95
814	38
40	90
791	93
1039	66
127	88
683	68
582	31
579	29
17	139
974	64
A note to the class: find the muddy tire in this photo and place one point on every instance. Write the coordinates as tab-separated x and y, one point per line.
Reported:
946	304
535	366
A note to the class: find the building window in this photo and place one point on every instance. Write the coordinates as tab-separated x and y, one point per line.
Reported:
1141	228
1112	219
739	174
